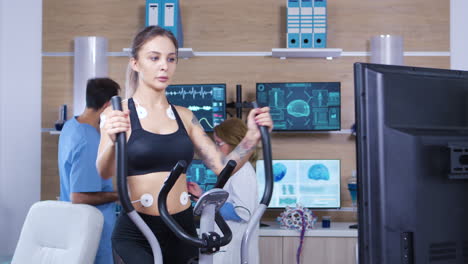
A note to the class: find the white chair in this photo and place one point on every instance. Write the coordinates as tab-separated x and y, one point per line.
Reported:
57	232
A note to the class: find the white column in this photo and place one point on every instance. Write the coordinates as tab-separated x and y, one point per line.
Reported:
458	35
387	49
90	61
20	115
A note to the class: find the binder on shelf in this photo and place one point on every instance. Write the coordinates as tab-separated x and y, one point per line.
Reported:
293	24
152	13
319	23
306	24
172	20
167	16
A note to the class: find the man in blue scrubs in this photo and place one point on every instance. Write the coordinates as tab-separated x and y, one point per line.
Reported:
77	152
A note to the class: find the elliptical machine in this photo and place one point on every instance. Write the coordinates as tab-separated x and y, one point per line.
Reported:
267	193
207	206
254	220
210	202
211	199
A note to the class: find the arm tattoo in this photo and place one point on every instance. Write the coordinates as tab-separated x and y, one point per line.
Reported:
195	121
242	150
209	161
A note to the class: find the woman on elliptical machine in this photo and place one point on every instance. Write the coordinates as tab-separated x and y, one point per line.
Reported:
158	136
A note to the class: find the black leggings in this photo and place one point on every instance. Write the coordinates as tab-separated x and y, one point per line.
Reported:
133	248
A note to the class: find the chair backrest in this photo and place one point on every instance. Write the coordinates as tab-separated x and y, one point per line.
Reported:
59	232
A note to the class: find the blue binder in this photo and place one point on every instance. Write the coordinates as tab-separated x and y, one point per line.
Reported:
172	20
320	23
306	24
152	13
293	24
168	17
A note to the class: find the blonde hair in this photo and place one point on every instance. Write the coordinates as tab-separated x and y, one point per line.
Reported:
145	35
232	131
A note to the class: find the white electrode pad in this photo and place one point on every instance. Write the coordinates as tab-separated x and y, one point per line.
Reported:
141	112
146	200
170	113
184	198
103	120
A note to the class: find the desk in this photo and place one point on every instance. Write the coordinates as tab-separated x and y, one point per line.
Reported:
334	245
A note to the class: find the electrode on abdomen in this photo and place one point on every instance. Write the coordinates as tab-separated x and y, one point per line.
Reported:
146	200
184	197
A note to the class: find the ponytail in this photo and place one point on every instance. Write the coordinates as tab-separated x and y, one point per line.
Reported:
131	82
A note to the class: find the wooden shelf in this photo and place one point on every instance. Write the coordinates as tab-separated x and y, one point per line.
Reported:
307	53
186	53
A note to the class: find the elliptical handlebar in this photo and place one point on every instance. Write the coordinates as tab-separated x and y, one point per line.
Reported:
265	201
162	206
121	171
267	159
175	227
225	174
121	161
223	226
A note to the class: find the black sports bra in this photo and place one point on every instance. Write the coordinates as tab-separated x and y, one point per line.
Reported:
148	152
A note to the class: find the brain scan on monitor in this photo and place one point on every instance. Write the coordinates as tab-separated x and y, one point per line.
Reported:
302	106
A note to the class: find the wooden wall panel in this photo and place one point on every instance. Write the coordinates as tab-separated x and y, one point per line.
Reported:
247	71
423	24
223	25
58	88
50	182
220	26
57	84
266	254
117	20
332	250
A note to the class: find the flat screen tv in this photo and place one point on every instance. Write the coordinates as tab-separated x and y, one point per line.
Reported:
207	101
202	175
311	183
307	106
199	173
412	164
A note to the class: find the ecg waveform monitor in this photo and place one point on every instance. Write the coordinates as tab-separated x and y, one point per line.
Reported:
206	101
302	106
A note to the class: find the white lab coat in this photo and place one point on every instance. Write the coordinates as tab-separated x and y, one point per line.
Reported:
243	192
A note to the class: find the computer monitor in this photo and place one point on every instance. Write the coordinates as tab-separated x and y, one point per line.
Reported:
412	151
199	173
207	101
308	106
311	183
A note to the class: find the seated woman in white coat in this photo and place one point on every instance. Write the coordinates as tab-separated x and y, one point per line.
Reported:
243	194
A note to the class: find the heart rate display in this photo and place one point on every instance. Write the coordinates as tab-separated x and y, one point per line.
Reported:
193	92
206	101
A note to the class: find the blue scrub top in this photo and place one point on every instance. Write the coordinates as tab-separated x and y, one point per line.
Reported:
78	147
